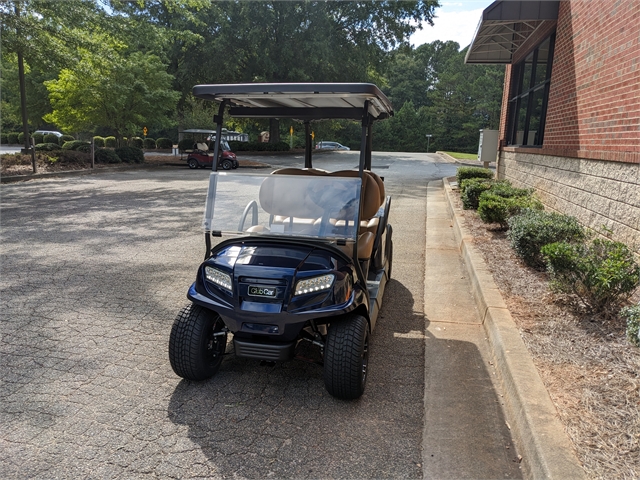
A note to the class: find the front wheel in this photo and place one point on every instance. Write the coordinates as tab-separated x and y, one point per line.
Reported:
197	343
346	357
227	164
193	163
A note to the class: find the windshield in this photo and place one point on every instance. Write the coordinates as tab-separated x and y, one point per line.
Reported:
283	205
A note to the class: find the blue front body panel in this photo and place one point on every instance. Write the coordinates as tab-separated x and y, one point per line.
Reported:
264	275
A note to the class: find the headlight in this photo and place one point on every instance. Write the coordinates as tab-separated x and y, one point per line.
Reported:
219	278
316	284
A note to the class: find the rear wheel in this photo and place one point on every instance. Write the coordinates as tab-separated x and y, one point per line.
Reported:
227	164
197	343
346	357
193	163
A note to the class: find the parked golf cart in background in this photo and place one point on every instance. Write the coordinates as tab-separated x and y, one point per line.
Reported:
304	254
200	156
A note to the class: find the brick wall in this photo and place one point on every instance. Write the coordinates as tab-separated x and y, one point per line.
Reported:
589	165
594	99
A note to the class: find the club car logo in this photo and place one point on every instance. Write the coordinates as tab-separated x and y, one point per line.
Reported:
256	291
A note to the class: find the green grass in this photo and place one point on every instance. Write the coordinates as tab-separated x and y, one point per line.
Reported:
463	156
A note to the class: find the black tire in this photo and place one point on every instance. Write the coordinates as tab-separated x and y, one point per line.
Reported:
193	163
227	164
195	352
235	164
346	357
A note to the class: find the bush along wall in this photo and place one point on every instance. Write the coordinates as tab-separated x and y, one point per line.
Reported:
130	154
164	143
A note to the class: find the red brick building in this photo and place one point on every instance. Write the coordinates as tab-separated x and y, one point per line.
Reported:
570	125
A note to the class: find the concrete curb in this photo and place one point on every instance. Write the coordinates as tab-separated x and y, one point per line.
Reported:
547	451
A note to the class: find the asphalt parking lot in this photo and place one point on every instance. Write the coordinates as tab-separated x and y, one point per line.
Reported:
94	270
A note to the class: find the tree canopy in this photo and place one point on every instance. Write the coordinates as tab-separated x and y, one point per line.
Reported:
116	65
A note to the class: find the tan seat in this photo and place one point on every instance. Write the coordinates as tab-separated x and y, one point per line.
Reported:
202	146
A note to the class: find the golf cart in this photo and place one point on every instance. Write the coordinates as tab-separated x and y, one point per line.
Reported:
201	157
304	254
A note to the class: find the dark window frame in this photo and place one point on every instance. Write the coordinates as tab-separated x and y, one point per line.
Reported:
518	94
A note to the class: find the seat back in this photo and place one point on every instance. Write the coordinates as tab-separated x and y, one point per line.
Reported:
371	196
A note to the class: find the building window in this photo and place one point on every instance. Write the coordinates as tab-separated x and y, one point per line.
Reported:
528	96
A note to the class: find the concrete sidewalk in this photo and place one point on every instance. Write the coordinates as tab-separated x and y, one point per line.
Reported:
478	369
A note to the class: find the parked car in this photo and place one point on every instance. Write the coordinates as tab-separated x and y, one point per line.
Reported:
331	146
48	132
298	256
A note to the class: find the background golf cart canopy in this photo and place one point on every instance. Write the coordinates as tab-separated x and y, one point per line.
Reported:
505	26
303	101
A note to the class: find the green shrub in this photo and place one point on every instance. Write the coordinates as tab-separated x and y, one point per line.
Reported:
164	143
50	138
506	190
632	314
136	142
130	154
602	274
149	143
4	139
38	138
47	147
471	189
533	229
12	138
473	172
66	138
106	155
493	208
98	141
186	144
110	142
21	138
80	145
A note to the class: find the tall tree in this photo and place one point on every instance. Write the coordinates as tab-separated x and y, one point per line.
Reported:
120	92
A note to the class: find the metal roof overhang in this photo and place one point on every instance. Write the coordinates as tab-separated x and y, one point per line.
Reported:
303	101
505	26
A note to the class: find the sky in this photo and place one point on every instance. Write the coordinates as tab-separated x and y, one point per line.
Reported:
455	20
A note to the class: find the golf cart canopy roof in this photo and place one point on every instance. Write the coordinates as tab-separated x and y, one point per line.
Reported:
303	101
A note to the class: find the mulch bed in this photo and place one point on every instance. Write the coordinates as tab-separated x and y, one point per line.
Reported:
591	371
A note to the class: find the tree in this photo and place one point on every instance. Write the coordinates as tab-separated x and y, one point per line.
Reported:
120	92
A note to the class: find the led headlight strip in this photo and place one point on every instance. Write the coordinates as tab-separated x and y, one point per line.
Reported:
219	278
315	284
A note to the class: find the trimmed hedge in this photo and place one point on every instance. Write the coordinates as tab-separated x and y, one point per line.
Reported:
47	147
37	138
130	154
50	138
473	172
106	155
4	139
471	189
110	142
75	145
12	137
602	274
493	208
66	138
98	141
149	144
136	142
21	138
533	229
164	143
